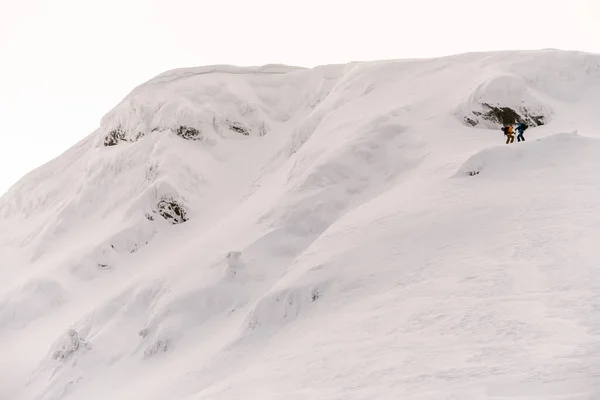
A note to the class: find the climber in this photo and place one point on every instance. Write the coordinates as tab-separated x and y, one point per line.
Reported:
520	129
508	131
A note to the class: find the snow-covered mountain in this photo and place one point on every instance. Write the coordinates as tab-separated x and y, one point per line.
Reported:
354	231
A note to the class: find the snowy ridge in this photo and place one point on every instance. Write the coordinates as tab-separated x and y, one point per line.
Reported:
348	231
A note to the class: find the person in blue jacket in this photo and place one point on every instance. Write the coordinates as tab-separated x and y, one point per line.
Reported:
520	128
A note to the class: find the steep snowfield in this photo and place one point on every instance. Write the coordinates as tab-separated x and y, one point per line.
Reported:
353	231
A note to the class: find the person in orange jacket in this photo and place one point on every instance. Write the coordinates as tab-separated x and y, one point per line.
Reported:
510	135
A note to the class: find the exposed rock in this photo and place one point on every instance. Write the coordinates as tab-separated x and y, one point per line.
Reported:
188	133
118	135
263	129
70	345
239	128
471	121
172	211
160	346
151	171
503	99
114	137
316	294
505	116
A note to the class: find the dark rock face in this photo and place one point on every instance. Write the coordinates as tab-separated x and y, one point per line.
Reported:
239	128
505	116
188	133
172	211
114	137
119	135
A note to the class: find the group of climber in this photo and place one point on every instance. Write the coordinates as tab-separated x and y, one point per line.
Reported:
509	132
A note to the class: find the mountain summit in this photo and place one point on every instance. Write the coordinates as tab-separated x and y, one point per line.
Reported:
357	231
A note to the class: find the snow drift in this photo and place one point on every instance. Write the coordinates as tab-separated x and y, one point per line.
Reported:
348	231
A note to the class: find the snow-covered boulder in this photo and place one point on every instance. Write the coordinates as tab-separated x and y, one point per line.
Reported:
71	343
172	211
502	100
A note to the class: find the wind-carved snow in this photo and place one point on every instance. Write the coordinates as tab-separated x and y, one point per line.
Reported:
337	232
507	92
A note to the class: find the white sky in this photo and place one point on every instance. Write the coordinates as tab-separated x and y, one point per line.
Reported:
65	63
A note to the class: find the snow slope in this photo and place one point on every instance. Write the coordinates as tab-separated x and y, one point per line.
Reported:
350	231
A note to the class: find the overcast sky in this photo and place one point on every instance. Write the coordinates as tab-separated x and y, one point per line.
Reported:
65	63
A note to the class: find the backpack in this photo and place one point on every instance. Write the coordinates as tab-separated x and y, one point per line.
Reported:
521	127
504	129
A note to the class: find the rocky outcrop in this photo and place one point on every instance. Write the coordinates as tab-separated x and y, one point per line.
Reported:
504	116
239	128
172	211
503	100
118	135
188	133
160	346
114	137
69	345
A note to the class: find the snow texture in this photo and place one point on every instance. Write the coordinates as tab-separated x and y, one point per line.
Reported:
354	231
